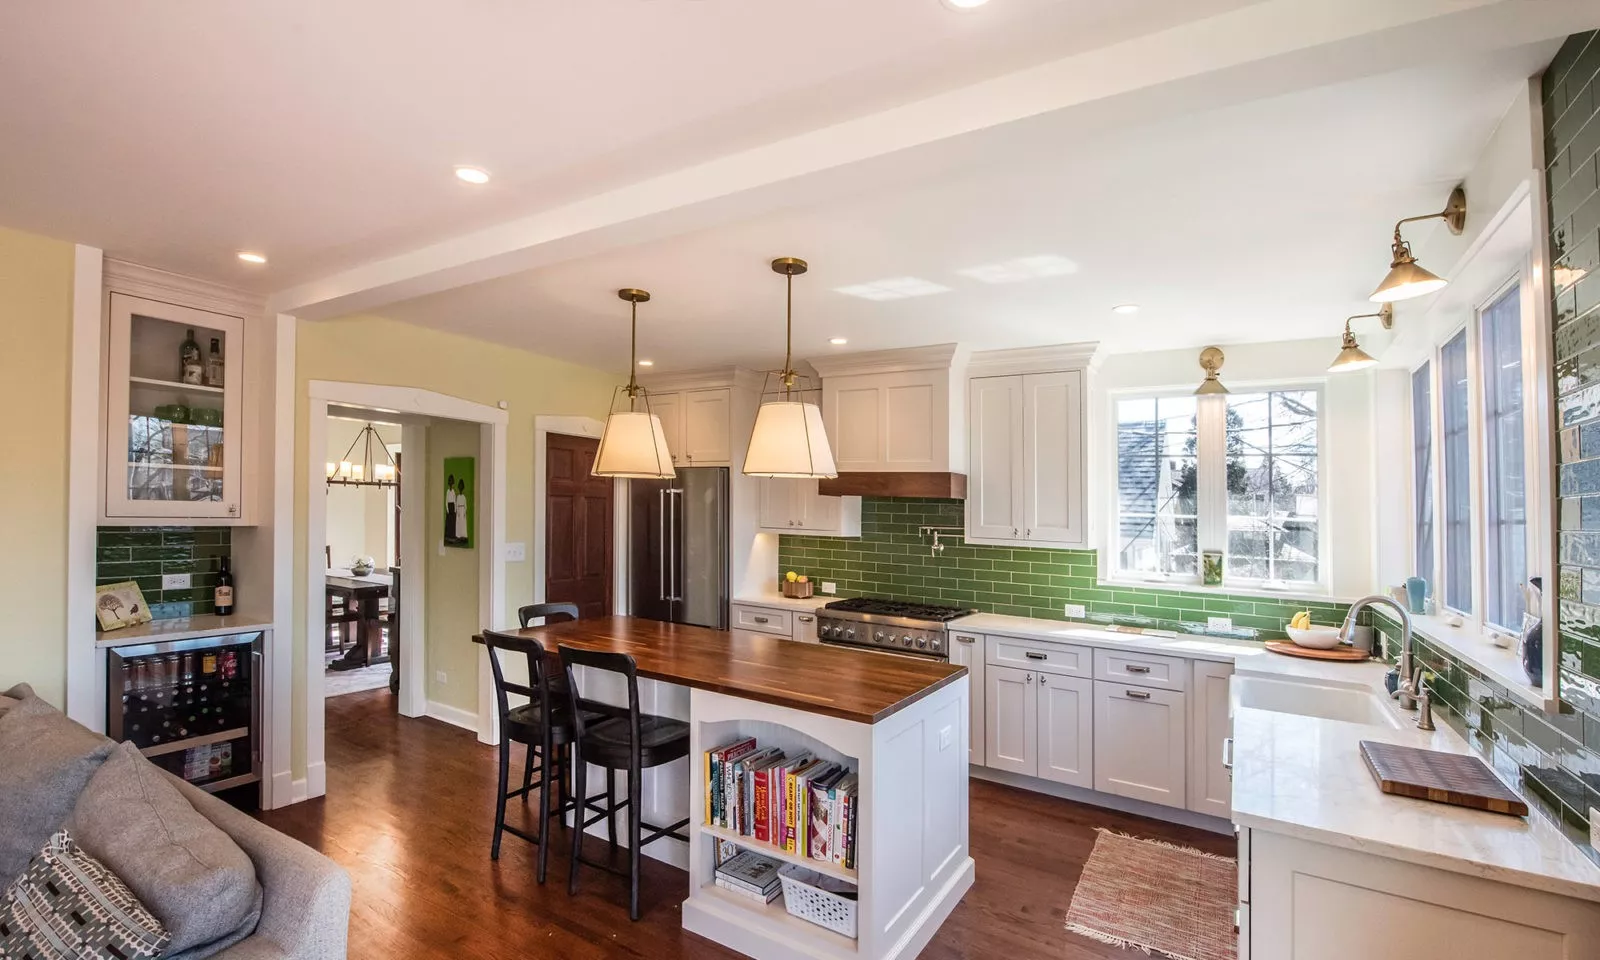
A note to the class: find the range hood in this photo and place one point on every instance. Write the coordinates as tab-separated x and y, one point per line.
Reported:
897	421
949	486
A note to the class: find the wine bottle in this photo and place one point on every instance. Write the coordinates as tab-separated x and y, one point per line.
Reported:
189	367
222	596
214	372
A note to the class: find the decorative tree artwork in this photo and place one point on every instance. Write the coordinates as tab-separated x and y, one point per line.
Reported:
120	605
460	494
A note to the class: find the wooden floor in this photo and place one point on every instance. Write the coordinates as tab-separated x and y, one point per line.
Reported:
410	810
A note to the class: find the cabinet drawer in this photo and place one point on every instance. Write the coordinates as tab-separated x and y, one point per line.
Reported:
1045	657
764	620
1142	669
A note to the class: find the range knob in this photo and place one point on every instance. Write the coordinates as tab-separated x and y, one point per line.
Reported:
922	642
825	630
878	636
849	633
905	641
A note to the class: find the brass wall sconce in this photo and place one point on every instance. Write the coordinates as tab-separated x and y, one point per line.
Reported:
1211	362
1407	279
1351	356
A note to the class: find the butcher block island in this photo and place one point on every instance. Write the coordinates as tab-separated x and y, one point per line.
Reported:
896	724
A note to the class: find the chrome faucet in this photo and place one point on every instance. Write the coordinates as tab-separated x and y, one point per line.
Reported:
1406	690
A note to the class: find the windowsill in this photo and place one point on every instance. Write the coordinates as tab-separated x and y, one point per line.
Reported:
1315	593
1471	645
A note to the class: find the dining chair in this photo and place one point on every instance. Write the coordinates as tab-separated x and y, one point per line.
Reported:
617	739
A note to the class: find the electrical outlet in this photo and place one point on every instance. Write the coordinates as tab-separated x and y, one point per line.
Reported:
516	552
1594	828
829	587
175	581
1074	611
945	736
1219	623
439	676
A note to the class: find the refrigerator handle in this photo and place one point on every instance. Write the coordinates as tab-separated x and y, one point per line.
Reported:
661	544
676	501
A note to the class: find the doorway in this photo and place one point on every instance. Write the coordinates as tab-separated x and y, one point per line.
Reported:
363	555
578	527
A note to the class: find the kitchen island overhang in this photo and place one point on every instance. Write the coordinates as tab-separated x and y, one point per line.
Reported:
899	722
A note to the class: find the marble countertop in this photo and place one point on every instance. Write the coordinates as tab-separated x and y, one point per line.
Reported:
1304	777
781	602
182	628
1191	646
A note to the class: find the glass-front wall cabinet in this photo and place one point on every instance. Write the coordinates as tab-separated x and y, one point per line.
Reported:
173	412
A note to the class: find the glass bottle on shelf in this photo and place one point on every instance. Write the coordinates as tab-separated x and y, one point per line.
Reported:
214	371
190	369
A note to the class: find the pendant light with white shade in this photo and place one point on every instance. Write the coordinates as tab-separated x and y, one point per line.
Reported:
789	439
633	444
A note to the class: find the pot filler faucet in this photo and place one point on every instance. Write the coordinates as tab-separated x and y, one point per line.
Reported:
1410	680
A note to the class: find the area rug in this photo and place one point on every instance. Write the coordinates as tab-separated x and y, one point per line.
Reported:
1158	898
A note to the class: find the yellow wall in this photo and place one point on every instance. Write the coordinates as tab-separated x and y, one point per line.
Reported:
35	386
368	349
451	579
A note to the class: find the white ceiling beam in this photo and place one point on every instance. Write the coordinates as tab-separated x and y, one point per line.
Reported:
1261	50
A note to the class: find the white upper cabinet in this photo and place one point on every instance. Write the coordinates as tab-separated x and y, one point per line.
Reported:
994	479
794	506
1026	473
895	411
707	428
174	427
668	407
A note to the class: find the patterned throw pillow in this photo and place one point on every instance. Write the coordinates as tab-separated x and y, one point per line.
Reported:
68	906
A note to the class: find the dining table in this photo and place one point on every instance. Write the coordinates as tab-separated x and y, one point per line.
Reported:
363	594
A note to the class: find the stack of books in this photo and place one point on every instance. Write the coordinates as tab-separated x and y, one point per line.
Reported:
750	875
802	804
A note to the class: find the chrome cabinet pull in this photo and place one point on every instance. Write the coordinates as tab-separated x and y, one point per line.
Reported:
1137	694
1032	655
1041	679
1227	753
759	619
1135	668
961	639
805	619
1030	678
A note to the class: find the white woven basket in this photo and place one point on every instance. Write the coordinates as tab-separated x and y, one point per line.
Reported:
803	899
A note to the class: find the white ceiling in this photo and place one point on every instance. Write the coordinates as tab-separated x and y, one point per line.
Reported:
1264	221
324	133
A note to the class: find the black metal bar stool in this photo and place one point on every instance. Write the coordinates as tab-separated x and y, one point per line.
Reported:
543	725
618	739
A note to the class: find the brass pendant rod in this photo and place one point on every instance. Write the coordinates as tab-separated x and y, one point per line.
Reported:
633	356
788	335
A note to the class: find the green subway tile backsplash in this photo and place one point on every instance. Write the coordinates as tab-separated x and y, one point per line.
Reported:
144	554
891	558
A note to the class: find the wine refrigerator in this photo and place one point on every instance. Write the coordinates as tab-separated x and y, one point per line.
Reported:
192	706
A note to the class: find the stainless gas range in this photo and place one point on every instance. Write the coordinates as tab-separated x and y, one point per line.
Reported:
889	626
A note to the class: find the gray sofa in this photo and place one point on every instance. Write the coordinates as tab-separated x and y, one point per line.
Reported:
305	897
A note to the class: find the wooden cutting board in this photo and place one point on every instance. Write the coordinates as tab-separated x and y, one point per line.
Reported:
1441	777
1291	649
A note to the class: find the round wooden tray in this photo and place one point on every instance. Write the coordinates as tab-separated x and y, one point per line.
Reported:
1290	649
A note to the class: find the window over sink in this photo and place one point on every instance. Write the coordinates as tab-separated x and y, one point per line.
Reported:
1240	474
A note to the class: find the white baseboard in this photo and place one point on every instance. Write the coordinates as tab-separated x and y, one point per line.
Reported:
316	780
455	716
297	791
1140	808
281	789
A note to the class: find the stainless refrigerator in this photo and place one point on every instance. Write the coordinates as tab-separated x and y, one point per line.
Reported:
679	539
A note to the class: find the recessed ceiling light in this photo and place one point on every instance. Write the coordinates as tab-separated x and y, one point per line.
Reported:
892	288
1125	308
1022	268
647	363
964	4
472	174
248	257
838	341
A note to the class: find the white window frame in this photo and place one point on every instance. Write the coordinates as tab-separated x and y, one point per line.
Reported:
1534	507
1211	493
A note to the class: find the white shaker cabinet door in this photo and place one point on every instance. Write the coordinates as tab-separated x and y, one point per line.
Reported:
995	442
1052	457
1210	730
1066	730
966	650
707	418
1140	743
669	408
1011	721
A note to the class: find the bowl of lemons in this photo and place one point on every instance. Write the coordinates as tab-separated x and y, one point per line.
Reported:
1312	636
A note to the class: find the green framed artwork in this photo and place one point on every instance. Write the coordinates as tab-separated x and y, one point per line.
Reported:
460	498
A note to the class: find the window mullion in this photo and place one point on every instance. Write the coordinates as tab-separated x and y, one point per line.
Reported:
1211	482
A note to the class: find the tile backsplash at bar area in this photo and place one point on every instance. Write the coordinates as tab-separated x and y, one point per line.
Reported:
144	554
891	559
1562	756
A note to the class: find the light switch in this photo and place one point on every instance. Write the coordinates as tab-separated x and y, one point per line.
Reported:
1219	623
439	676
516	552
175	581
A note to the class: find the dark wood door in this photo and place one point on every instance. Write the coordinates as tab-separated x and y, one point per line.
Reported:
577	527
